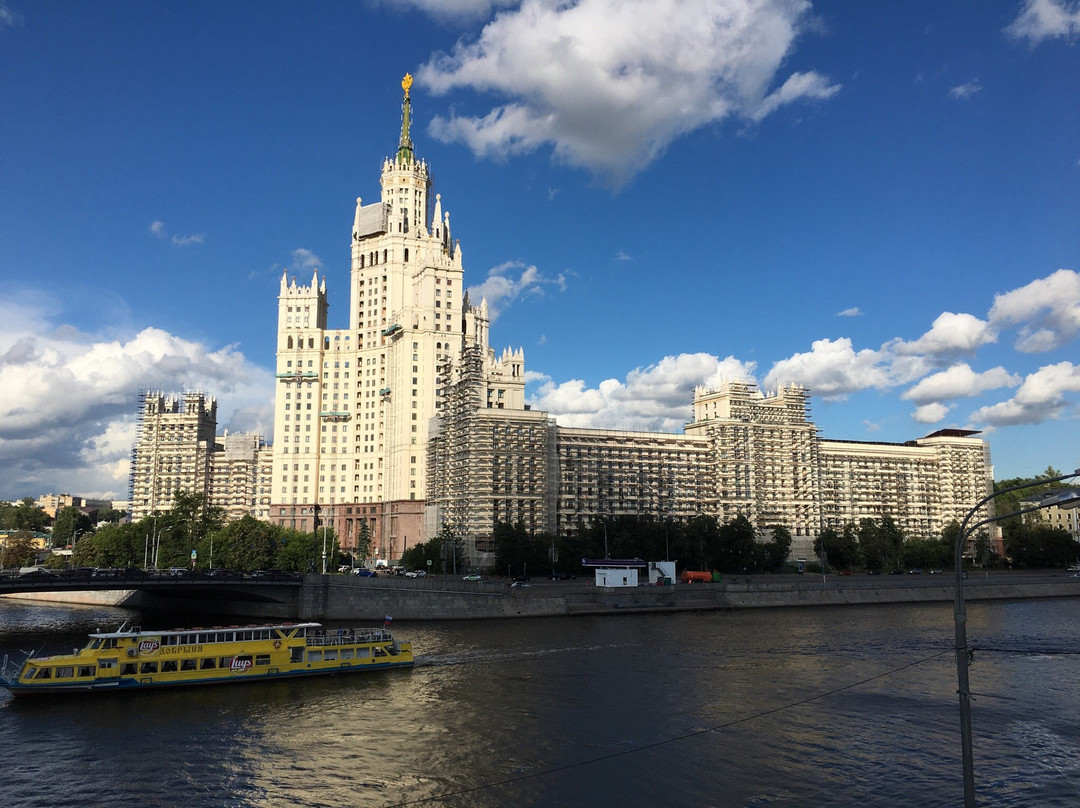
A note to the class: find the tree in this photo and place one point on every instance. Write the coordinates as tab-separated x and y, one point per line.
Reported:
24	516
363	540
840	547
1042	547
70	523
735	549
18	550
115	546
776	549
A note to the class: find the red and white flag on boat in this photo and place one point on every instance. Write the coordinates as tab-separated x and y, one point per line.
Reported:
386	623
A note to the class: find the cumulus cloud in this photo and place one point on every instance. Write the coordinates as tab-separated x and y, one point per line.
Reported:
833	369
1041	397
654	398
930	413
852	312
959	381
608	84
949	335
512	281
1047	311
67	417
1046	19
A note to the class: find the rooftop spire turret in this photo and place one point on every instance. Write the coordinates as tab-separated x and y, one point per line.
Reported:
405	147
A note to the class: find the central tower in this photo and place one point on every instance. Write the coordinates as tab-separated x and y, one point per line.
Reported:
353	404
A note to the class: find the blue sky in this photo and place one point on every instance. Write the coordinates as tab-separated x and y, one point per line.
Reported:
878	200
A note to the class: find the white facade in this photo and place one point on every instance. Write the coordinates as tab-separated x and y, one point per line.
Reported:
353	404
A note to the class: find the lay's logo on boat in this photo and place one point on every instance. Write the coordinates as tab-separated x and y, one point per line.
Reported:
237	665
148	646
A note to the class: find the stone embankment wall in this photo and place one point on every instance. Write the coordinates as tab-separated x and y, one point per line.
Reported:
345	598
341	598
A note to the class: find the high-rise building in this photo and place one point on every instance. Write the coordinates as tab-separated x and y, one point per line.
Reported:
353	403
173	450
743	454
177	450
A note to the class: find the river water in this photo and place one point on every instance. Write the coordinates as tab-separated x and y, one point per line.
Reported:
796	707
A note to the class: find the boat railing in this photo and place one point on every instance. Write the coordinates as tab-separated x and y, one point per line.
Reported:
350	636
9	671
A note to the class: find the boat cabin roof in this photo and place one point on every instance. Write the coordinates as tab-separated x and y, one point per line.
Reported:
137	631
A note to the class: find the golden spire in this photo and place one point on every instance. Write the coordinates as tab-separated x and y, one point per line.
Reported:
405	148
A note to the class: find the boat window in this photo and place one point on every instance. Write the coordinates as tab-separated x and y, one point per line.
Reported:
346	653
296	653
65	672
363	653
264	634
148	667
314	656
246	635
31	672
105	664
95	643
86	670
109	643
262	659
224	662
380	651
44	673
204	638
127	669
168	666
208	664
188	665
331	656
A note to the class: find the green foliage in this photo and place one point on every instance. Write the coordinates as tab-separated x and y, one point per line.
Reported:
840	547
115	546
1041	547
24	516
70	522
446	553
363	540
18	550
775	551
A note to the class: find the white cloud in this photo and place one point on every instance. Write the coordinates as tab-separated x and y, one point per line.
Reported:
1046	19
1047	311
959	381
951	334
610	83
501	289
157	227
655	398
1040	398
965	91
68	413
930	413
852	312
834	369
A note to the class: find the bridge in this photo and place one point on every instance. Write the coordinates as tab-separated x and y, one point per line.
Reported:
264	594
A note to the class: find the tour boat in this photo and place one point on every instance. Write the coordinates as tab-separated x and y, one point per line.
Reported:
132	659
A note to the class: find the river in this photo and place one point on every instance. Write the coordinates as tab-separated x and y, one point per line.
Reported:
781	707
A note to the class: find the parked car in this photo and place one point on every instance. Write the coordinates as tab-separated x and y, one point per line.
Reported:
472	578
412	573
562	576
936	571
518	585
915	571
363	572
36	571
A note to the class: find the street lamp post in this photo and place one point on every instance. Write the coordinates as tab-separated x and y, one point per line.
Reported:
960	612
